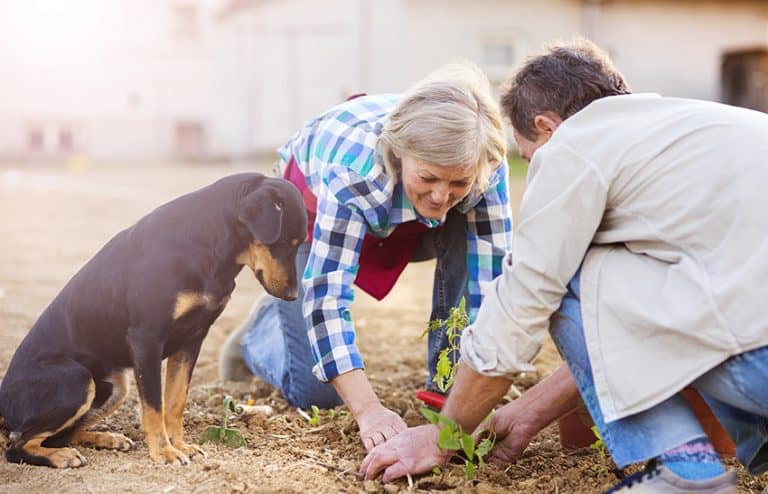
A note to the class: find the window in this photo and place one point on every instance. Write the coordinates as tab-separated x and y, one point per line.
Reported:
66	140
499	55
190	139
36	139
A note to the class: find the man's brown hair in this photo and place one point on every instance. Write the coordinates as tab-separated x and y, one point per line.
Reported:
564	79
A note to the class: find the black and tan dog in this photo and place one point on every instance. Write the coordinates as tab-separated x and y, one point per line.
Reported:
151	293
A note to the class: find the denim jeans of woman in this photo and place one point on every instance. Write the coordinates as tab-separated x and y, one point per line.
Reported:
276	347
736	391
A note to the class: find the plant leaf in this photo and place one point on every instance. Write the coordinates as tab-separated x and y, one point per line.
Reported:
484	447
448	422
432	416
469	470
468	445
233	438
443	367
447	440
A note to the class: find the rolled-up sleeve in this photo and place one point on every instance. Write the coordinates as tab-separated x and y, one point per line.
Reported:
561	210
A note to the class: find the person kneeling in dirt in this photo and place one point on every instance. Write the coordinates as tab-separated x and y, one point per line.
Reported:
642	248
386	179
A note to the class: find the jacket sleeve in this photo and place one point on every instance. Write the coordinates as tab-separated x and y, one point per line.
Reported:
561	210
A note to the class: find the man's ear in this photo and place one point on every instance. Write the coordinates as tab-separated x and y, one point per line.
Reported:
547	122
262	213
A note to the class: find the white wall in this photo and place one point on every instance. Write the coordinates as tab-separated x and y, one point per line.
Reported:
114	70
675	48
438	31
111	69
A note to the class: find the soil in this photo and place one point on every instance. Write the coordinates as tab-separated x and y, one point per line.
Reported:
55	218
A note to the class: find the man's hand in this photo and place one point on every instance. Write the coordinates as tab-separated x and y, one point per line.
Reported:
518	422
513	434
377	425
412	451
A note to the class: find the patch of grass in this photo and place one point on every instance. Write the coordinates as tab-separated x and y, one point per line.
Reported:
518	167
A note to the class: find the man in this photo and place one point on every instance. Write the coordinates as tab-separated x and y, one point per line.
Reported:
643	248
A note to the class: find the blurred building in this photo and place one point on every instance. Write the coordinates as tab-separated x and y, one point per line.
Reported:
229	79
111	80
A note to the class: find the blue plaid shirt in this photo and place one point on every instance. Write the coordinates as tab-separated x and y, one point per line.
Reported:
336	154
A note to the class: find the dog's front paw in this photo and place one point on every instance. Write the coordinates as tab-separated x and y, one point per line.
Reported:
66	458
191	450
123	443
169	455
102	440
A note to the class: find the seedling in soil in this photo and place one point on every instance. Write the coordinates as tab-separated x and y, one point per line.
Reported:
314	419
458	320
452	438
223	434
598	444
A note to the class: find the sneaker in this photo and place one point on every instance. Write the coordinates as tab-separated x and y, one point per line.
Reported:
656	478
231	364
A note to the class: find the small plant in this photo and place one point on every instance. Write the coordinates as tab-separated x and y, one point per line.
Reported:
314	419
315	416
223	434
452	438
598	444
458	320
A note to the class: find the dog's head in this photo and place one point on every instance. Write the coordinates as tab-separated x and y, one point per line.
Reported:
274	214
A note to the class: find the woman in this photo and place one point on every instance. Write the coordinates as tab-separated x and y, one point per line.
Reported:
387	180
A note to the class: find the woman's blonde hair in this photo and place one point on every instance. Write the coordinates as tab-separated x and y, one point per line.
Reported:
448	118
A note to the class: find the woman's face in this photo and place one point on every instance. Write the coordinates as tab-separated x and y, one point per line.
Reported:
434	189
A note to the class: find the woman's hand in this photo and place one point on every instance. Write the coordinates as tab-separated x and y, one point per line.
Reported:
377	425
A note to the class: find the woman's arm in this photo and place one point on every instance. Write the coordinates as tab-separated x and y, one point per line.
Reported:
331	271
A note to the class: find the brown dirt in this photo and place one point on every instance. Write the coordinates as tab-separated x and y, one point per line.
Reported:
54	219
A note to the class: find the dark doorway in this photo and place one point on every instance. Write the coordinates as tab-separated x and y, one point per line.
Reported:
744	78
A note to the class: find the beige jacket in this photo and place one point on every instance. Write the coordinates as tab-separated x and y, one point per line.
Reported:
666	202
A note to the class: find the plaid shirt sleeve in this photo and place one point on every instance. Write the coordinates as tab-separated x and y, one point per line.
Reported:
489	236
345	207
331	271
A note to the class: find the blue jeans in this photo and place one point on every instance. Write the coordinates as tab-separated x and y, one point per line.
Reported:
277	348
736	390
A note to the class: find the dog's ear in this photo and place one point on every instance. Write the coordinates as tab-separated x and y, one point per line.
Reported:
262	213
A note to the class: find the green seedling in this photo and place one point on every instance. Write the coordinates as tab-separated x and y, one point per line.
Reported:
223	434
458	320
598	444
452	438
314	419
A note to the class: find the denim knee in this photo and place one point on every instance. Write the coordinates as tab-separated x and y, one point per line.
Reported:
306	394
